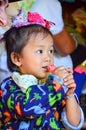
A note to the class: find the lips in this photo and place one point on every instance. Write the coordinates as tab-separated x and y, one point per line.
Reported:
45	68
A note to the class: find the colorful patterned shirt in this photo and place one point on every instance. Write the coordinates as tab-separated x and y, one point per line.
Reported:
39	108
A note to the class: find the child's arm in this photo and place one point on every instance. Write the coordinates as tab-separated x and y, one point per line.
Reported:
74	117
73	111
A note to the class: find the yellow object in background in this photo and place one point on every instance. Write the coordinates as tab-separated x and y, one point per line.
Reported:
13	7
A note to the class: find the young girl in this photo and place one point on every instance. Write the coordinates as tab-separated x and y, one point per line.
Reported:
32	98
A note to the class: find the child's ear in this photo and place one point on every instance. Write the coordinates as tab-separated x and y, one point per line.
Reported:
16	59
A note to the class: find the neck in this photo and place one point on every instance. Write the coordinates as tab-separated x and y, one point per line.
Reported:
41	81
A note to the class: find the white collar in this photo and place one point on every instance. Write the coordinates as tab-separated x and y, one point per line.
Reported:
24	81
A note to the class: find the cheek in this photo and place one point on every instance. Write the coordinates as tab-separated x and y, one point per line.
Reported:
52	59
31	65
29	58
31	61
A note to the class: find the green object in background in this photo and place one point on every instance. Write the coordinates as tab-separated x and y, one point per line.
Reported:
26	4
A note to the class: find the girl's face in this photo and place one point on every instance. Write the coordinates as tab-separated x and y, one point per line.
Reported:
36	56
3	14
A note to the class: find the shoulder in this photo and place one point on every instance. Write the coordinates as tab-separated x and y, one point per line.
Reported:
8	82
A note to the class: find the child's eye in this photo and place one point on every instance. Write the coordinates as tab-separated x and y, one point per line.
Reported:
39	51
51	51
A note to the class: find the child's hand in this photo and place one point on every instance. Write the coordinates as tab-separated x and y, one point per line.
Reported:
66	74
69	82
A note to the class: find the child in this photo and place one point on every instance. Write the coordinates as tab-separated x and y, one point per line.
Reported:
32	98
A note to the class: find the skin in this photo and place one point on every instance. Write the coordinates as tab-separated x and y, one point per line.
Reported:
36	53
64	43
3	14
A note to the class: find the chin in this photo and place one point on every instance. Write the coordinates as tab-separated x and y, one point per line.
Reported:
42	77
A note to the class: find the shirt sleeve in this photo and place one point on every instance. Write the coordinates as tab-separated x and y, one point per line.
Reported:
51	11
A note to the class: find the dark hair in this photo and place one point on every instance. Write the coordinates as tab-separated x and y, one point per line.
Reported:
17	38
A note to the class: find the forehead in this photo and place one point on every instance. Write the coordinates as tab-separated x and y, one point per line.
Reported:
42	39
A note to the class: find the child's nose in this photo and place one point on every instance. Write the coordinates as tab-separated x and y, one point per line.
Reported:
47	58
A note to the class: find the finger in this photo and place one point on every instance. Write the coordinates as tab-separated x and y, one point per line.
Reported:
70	84
69	70
61	68
68	77
69	81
